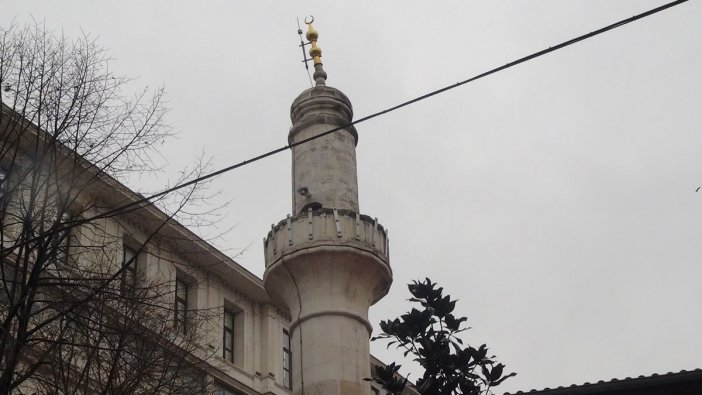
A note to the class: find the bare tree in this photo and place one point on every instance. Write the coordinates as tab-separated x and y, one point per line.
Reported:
79	311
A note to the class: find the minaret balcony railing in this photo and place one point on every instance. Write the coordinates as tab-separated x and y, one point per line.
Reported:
325	228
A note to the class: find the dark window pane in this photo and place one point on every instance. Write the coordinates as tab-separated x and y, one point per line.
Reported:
181	290
228	336
287	361
129	262
181	305
4	198
128	257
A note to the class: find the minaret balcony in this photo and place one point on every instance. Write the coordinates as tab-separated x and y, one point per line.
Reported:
325	227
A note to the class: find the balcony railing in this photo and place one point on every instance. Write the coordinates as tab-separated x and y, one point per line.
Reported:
326	227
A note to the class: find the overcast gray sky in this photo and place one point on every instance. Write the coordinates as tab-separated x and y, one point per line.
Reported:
556	200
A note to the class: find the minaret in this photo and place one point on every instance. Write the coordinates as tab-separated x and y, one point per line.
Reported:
327	262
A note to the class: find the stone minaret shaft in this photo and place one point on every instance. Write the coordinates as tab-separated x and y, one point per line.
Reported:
327	262
323	170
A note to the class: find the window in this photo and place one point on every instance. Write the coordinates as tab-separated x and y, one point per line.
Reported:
3	190
228	340
222	390
65	237
181	305
75	330
287	360
3	178
129	270
62	240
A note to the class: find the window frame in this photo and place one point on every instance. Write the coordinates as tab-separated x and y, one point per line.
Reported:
129	270
228	333
222	389
62	239
287	357
4	176
65	235
181	305
4	199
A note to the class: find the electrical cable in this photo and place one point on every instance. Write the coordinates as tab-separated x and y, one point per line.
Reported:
146	201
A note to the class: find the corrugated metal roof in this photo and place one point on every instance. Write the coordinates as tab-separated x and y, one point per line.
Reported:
693	377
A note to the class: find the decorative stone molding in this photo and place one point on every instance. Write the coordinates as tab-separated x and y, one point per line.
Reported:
326	227
321	105
319	99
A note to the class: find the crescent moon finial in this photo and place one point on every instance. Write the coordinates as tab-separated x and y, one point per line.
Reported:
315	52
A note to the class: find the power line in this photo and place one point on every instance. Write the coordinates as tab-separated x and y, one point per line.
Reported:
146	201
407	103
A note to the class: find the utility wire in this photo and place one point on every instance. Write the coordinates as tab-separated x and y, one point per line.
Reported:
146	201
404	104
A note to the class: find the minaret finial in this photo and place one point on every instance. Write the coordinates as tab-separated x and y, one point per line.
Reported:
320	76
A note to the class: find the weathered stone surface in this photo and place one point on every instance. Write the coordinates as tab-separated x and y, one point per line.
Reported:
327	262
323	170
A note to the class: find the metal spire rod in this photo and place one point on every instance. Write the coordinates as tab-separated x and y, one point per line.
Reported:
304	55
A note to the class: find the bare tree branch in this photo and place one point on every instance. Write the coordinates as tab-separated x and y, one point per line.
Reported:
77	314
